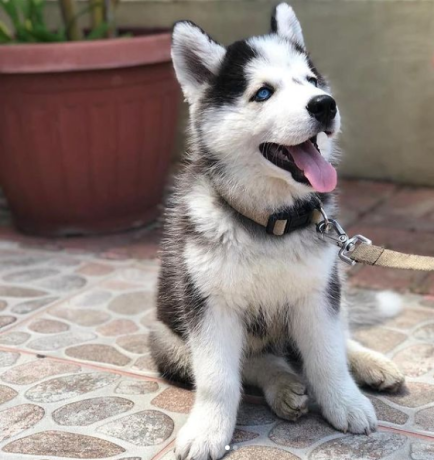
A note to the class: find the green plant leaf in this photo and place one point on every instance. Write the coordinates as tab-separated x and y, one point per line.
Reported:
99	32
41	34
5	35
37	12
10	7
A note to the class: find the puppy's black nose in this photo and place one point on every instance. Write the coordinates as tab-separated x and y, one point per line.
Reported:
323	108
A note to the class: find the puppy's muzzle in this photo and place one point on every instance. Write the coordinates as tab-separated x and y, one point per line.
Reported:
322	108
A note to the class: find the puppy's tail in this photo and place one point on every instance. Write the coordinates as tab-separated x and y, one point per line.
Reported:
367	308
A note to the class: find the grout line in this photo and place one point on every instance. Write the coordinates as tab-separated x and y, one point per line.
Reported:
84	364
412	434
164	451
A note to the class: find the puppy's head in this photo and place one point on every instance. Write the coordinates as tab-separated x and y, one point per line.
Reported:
260	106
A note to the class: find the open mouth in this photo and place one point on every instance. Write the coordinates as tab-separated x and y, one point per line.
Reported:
304	162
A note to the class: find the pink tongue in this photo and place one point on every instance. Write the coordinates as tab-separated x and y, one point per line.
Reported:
320	173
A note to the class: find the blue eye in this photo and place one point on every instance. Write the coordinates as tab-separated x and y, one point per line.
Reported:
263	94
313	81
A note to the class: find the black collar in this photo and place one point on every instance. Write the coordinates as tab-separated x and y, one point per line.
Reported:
287	220
297	217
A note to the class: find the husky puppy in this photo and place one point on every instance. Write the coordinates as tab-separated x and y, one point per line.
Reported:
247	286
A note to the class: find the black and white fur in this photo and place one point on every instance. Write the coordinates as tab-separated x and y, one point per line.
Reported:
237	305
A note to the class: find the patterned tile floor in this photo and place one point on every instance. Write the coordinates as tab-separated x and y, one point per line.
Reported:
76	379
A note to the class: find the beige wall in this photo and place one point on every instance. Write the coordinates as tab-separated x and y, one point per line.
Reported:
377	53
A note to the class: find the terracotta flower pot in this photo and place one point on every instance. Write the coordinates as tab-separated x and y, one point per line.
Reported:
86	133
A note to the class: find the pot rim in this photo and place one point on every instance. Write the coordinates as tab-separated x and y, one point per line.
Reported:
85	55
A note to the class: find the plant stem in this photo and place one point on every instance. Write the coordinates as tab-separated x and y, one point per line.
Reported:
97	13
69	14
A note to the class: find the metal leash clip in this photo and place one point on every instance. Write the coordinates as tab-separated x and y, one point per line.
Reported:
331	229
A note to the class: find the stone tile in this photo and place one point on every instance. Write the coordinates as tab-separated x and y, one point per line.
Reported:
7	394
62	444
21	262
425	333
410	318
149	318
64	262
427	302
145	276
81	317
136	387
17	419
386	278
301	434
70	386
260	453
98	353
95	269
145	363
132	303
175	400
92	298
411	210
27	276
425	419
8	358
416	360
413	395
254	414
119	285
363	195
58	341
380	338
373	447
118	327
135	343
243	436
15	291
29	306
33	371
88	411
426	286
48	326
6	320
387	413
422	451
64	283
145	428
14	338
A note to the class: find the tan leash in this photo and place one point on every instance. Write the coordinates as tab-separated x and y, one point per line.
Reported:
360	249
357	249
381	257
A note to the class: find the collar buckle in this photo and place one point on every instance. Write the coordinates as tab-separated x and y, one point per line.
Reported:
282	223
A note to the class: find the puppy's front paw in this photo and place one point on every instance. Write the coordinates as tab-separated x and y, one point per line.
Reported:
202	440
350	410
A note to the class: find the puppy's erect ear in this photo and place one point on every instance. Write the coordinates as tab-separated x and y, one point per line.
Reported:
196	57
284	22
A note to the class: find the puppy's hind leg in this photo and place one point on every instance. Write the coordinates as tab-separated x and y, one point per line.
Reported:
284	391
171	355
373	369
